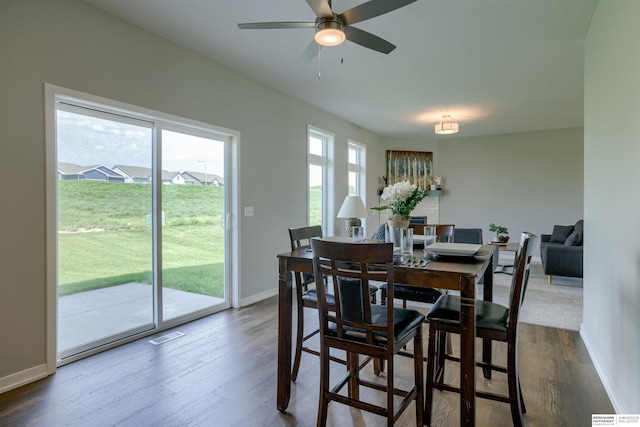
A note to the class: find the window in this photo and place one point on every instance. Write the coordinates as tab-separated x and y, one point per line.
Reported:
319	181
356	169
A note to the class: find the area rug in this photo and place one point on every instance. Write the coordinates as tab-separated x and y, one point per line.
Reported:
558	305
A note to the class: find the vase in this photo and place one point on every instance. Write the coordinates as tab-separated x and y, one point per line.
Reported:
401	223
395	232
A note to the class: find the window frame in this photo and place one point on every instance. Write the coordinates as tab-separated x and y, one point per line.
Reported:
326	162
359	167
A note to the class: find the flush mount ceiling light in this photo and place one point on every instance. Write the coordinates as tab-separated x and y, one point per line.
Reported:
329	33
446	126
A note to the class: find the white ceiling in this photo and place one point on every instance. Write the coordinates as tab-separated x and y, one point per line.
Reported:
497	66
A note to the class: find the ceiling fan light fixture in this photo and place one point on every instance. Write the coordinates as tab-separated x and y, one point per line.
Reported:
329	33
447	126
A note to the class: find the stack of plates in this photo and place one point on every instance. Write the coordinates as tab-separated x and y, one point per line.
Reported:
454	249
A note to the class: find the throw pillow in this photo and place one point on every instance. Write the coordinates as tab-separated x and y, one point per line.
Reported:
579	226
574	239
379	234
560	233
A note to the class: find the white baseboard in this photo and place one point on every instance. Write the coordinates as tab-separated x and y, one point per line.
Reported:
607	382
24	377
258	297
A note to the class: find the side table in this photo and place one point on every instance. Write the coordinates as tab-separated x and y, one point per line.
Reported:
505	247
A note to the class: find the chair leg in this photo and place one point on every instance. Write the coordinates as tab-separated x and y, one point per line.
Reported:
441	339
383	296
299	342
515	392
390	385
550	279
419	376
323	403
431	366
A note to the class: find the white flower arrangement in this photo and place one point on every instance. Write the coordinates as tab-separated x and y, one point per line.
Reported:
402	198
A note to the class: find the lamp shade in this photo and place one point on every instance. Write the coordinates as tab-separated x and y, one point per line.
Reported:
329	33
352	207
447	126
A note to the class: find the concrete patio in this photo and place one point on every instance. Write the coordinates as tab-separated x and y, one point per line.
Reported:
93	315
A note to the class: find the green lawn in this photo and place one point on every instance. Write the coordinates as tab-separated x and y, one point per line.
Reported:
315	205
104	238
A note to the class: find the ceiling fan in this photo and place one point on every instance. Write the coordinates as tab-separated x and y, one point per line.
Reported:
332	29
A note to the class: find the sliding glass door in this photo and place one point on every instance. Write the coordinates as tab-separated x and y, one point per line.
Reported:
193	217
105	256
142	234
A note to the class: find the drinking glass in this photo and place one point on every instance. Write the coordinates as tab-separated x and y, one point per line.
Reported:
430	234
357	233
407	241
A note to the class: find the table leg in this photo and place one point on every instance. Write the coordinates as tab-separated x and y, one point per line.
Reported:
285	287
467	352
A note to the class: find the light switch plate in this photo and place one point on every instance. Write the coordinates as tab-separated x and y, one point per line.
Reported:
248	211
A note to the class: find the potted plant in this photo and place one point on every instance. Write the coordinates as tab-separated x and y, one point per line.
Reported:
502	233
402	198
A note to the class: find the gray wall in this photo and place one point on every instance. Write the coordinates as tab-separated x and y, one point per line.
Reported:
71	44
611	324
524	181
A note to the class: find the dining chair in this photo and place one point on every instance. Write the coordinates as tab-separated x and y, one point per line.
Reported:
359	327
493	322
418	220
444	233
306	295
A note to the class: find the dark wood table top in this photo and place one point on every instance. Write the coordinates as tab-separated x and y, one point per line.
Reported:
442	267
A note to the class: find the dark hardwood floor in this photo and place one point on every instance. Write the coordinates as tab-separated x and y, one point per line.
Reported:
223	373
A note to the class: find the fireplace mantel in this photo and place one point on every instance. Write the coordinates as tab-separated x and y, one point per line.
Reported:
429	207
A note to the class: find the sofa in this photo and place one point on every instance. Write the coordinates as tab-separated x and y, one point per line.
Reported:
561	251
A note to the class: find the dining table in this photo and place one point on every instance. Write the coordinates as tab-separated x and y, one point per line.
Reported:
460	273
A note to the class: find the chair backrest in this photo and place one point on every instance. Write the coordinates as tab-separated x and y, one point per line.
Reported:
521	269
301	237
468	235
349	268
444	232
418	220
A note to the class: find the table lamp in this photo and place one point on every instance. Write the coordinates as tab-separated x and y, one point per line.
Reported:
353	209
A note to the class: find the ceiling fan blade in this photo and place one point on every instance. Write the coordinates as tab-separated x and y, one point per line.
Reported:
366	39
275	25
371	9
321	8
310	52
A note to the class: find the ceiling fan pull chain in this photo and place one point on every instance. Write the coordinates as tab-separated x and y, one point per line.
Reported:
319	73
